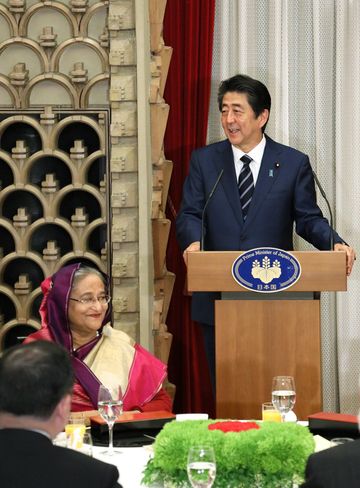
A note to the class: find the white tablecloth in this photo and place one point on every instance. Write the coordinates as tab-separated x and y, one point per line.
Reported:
130	462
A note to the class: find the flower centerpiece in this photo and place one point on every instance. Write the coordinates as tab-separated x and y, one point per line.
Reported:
265	455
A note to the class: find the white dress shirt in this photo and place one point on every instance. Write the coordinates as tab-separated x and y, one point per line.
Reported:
256	154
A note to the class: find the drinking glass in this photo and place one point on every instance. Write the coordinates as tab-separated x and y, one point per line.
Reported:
270	413
87	445
201	466
80	441
75	423
74	433
110	406
283	394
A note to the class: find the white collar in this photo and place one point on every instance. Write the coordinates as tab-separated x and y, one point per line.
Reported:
256	153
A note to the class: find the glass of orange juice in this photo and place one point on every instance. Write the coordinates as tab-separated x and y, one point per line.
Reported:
74	431
269	413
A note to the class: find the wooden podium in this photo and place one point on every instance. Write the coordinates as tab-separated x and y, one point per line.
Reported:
259	335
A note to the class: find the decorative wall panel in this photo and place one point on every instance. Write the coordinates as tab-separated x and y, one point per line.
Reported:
53	207
162	168
124	168
59	49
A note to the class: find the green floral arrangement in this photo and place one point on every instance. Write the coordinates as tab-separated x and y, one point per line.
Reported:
272	455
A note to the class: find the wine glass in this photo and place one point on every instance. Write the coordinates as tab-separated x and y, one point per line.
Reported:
201	466
283	394
110	406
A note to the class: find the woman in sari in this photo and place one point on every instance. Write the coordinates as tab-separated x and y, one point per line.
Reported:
75	313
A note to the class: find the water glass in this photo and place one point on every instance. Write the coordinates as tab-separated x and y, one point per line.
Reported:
75	437
283	394
201	466
87	446
110	406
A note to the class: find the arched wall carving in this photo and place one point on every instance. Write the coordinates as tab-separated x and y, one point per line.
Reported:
49	52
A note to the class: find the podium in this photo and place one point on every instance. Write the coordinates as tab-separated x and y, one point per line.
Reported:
259	336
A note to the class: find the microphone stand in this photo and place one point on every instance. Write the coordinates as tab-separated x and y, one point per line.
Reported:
204	209
329	208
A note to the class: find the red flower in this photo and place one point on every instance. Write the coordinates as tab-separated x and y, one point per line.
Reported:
233	426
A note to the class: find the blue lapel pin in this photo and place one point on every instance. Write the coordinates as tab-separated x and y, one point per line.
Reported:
271	173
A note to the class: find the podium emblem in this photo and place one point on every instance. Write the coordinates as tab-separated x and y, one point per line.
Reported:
266	270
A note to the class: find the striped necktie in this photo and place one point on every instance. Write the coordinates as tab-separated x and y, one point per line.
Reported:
245	184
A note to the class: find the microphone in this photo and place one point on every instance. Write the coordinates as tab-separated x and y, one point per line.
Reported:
318	184
205	206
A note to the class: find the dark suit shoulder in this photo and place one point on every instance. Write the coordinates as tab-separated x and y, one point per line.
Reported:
335	467
94	468
47	465
212	148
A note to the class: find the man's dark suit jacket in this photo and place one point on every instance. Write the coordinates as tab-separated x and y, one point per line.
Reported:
336	467
29	459
284	194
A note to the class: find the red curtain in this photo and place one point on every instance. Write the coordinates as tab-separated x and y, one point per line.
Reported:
188	29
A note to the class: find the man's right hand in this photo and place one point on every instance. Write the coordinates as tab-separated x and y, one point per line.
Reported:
194	246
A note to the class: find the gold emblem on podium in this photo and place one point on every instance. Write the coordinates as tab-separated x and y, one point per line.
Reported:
266	271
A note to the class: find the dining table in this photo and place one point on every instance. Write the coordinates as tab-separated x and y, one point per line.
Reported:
130	462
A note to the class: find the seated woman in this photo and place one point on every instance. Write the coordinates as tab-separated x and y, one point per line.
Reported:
75	313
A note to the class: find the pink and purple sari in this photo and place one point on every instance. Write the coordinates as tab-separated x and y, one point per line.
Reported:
112	357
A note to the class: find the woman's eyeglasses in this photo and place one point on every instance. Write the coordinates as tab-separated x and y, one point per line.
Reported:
103	300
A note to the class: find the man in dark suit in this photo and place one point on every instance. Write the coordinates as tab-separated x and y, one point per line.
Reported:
36	382
336	467
248	209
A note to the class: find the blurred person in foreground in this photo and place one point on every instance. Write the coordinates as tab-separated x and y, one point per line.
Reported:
36	382
75	313
336	467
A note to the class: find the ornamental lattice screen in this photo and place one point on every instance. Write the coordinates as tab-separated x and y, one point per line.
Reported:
54	206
